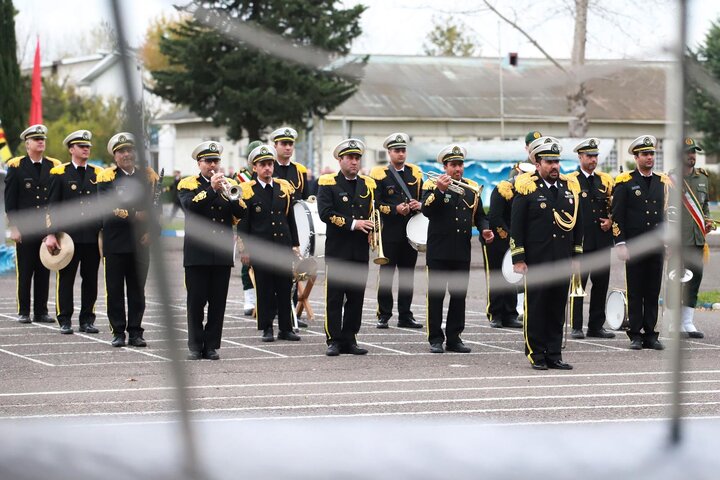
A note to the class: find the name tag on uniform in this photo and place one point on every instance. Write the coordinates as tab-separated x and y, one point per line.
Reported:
541	198
635	187
701	184
568	194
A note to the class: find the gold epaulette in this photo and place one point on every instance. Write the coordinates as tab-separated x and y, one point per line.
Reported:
188	183
107	175
14	162
702	171
470	182
379	173
59	169
247	190
416	171
327	179
572	183
231	181
573	174
98	170
429	185
525	183
624	177
285	186
505	189
55	161
151	175
300	167
369	182
664	178
607	181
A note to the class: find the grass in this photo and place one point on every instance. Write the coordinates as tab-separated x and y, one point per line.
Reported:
710	296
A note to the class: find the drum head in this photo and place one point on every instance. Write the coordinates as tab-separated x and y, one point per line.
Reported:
417	231
615	309
304	222
507	269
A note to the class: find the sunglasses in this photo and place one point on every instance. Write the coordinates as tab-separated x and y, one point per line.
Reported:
211	160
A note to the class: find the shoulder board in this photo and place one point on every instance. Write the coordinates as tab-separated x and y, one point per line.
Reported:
416	171
470	182
285	186
247	190
505	189
429	185
188	183
231	181
98	170
606	179
664	178
573	174
55	161
107	175
378	173
525	183
300	167
702	171
59	169
327	179
624	177
14	162
369	182
151	175
572	183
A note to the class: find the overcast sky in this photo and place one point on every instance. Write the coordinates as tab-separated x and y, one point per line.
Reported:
626	29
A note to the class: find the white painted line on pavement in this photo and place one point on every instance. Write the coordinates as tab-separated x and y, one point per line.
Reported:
26	358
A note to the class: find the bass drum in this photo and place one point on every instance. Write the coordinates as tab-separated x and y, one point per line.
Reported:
417	232
507	269
616	316
311	230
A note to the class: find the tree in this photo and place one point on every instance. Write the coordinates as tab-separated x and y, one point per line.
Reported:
13	93
450	38
244	88
703	109
149	52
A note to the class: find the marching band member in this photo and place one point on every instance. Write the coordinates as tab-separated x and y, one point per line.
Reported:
295	173
452	215
76	182
397	199
249	297
529	138
638	207
595	194
345	204
210	216
269	217
127	234
546	230
26	190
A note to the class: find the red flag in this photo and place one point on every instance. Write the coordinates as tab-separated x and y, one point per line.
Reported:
36	102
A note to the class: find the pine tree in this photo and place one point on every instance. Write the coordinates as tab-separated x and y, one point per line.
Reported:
703	110
13	94
243	88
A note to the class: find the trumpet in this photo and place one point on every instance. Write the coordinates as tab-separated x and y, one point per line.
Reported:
376	238
456	186
232	192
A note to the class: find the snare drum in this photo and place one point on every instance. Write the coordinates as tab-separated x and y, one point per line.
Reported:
507	269
616	316
311	231
417	232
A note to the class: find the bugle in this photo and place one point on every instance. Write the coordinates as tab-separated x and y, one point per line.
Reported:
232	192
456	186
376	244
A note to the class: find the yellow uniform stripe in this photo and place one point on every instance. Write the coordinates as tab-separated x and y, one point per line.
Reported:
525	322
427	304
251	274
17	281
487	283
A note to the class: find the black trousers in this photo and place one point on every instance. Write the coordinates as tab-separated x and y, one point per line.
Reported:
344	301
453	276
121	270
273	295
206	285
403	257
30	269
544	317
87	257
598	293
502	296
643	276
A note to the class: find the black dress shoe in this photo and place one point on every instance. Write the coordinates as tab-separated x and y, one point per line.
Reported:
458	347
409	323
291	336
43	318
559	365
138	341
66	329
89	328
211	354
267	335
653	345
333	350
696	334
24	319
436	348
194	355
577	333
496	323
301	324
539	365
118	341
355	350
512	323
636	345
602	333
382	322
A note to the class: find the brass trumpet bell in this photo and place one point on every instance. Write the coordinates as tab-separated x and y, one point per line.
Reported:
304	269
576	289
